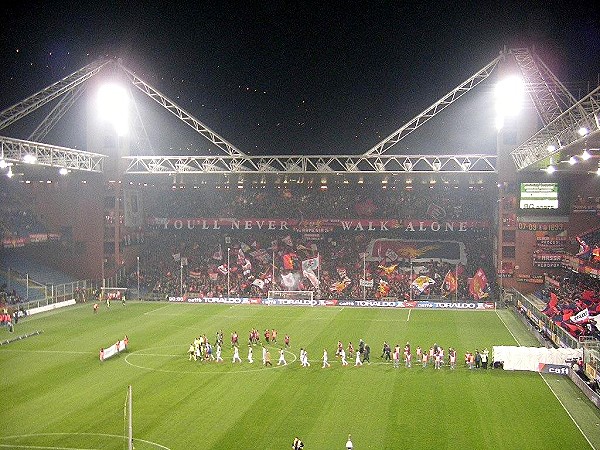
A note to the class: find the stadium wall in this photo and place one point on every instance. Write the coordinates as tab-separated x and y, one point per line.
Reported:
72	208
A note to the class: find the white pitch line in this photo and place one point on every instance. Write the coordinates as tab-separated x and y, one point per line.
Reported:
64	352
37	435
550	387
154	310
408	318
567	411
43	447
506	326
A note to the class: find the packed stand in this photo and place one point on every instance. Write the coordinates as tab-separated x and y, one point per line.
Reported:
589	246
259	263
303	203
17	219
573	302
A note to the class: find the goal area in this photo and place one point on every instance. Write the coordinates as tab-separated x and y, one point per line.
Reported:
113	293
291	295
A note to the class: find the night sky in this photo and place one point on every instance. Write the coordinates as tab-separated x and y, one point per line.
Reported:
303	78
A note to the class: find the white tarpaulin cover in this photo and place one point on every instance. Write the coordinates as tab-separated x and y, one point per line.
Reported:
529	358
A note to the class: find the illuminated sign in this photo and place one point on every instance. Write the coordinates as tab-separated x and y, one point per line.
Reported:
539	196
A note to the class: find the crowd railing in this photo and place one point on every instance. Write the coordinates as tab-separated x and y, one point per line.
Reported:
557	335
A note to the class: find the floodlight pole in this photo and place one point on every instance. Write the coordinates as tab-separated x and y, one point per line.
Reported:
138	277
27	281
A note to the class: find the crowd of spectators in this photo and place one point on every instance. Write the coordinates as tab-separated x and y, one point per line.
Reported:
17	218
569	295
300	202
342	265
259	263
589	246
9	297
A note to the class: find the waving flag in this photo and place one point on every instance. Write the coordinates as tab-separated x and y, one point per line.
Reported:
246	267
450	282
290	281
311	264
290	261
339	286
384	288
241	257
308	270
422	282
478	285
553	300
387	269
584	248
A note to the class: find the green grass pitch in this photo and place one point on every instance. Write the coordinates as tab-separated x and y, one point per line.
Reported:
58	395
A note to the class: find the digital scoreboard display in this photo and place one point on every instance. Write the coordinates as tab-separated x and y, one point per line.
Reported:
539	196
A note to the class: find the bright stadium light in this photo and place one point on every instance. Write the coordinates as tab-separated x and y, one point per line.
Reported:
29	159
63	171
583	131
509	98
586	155
113	105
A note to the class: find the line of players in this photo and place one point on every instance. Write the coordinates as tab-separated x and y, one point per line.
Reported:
201	349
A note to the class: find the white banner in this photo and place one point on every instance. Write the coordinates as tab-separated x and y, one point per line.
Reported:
581	316
114	349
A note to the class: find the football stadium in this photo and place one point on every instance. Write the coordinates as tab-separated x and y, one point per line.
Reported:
217	299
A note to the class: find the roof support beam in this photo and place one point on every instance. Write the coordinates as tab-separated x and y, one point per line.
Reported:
15	151
311	164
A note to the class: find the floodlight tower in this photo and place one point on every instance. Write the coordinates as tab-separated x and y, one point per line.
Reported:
108	123
515	121
528	97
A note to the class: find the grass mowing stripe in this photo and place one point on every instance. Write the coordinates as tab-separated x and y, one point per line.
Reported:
182	404
567	411
584	434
